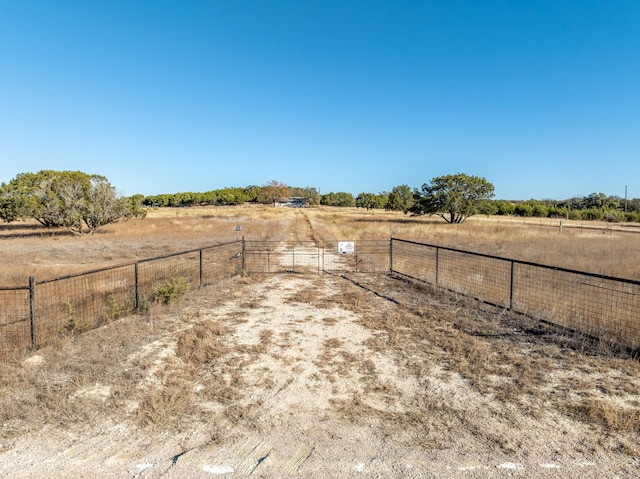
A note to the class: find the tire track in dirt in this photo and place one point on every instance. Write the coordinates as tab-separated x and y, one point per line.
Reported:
299	457
303	229
252	454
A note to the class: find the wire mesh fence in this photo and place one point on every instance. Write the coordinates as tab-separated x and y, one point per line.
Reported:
15	325
36	315
282	257
598	306
367	256
315	257
593	305
81	302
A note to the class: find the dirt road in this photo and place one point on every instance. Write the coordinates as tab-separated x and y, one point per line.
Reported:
319	376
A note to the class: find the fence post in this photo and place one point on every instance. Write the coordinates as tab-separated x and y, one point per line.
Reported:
513	264
391	255
437	263
32	309
200	278
244	263
137	286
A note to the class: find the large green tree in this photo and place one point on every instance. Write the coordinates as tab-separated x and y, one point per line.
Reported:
453	197
371	201
308	194
400	198
78	201
340	198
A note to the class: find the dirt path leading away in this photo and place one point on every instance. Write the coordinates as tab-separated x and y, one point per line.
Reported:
302	229
319	376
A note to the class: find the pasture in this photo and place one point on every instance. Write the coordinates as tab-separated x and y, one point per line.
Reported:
354	375
28	249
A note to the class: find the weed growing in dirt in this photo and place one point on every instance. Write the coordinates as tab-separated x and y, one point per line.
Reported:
115	309
172	289
73	322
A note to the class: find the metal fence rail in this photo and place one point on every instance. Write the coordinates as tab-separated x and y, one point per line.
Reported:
37	314
595	305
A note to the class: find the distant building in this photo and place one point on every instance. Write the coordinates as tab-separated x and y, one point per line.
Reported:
292	202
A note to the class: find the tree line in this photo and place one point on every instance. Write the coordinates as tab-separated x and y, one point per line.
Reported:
267	194
594	207
84	203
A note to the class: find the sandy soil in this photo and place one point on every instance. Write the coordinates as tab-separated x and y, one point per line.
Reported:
322	376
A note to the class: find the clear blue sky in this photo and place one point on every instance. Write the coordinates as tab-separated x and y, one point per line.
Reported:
541	97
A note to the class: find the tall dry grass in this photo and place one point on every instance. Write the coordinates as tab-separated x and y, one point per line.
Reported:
517	360
30	250
591	247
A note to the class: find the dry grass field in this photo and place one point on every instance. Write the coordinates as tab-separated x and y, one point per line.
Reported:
321	375
30	250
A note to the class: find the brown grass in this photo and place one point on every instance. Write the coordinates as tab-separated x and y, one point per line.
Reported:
587	246
516	361
182	367
30	250
151	369
202	343
614	418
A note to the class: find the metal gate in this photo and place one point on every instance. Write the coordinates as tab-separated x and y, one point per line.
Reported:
316	257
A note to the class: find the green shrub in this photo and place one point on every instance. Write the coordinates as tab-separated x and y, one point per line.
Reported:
504	207
172	289
523	209
540	210
593	214
144	305
613	216
575	215
558	212
73	323
115	310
